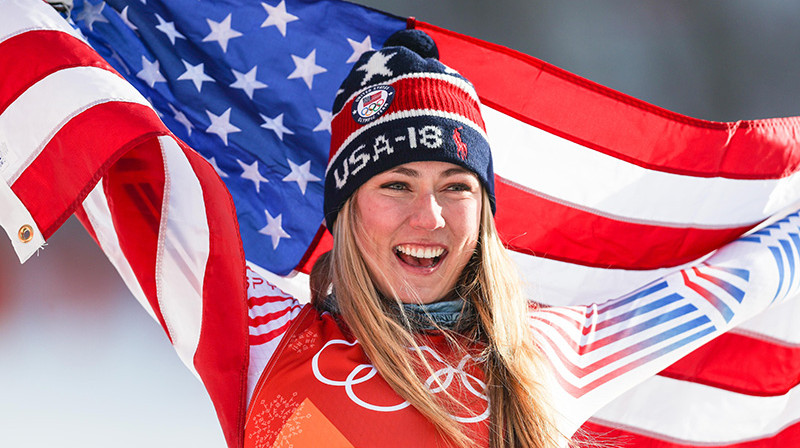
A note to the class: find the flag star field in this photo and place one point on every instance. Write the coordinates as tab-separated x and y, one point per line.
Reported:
261	120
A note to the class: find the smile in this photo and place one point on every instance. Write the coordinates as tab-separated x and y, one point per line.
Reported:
419	256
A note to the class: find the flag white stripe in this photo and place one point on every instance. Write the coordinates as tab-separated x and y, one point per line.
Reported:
33	19
14	216
707	415
96	207
561	169
27	127
558	283
773	326
183	252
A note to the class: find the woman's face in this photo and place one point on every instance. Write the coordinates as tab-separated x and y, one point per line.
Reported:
417	226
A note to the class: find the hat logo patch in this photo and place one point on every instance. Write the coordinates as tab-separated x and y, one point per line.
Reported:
372	103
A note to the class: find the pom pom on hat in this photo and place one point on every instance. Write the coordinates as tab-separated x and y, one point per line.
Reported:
416	41
400	105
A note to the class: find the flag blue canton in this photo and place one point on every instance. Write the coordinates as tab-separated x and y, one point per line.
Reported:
249	86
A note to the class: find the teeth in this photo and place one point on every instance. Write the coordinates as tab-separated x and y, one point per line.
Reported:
420	252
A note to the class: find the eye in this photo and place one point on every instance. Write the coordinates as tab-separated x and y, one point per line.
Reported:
398	186
459	187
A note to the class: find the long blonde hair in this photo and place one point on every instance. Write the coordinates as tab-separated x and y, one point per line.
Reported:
520	414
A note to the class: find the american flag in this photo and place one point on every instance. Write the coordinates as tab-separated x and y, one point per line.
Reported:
598	193
262	118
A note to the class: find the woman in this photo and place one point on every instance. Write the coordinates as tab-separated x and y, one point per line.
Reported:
417	276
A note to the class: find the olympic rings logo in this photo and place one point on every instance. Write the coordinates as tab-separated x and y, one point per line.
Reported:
372	103
436	383
372	108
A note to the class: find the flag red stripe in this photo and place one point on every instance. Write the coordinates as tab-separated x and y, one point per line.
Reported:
525	222
741	364
788	437
54	50
322	242
130	124
146	203
137	231
222	355
652	137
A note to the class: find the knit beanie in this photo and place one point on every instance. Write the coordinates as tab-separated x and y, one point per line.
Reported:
399	105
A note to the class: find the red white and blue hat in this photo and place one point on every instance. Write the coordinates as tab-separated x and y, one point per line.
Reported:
400	105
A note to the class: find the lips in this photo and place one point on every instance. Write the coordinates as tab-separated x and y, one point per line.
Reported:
420	256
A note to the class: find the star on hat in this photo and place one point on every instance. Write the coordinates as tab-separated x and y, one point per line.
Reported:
376	65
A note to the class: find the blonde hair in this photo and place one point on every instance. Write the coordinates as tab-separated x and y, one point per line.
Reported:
520	414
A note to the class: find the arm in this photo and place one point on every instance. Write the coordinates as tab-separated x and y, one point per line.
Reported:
598	352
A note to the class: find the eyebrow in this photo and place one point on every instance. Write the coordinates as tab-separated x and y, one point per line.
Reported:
405	171
414	173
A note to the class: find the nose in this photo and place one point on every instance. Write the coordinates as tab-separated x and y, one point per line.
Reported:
426	213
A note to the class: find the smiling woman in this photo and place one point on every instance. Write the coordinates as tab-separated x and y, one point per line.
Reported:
416	227
409	199
418	333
